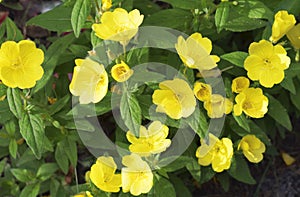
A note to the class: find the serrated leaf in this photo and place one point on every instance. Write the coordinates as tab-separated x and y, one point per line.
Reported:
31	190
58	19
279	113
131	112
15	102
12	31
240	171
221	15
79	14
237	58
32	129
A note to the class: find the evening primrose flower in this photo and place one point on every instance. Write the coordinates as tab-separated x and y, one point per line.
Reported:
121	72
106	4
252	148
89	82
217	106
118	25
103	175
252	102
239	84
195	52
137	177
266	63
283	22
20	64
150	141
84	194
175	98
202	91
294	36
217	152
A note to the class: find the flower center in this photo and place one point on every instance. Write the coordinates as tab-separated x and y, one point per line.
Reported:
190	61
267	62
17	63
247	105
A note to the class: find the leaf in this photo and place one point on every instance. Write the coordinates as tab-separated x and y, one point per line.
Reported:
242	122
2	164
79	14
279	113
180	188
240	171
58	19
71	150
22	175
207	173
131	112
242	24
32	129
61	157
31	190
173	163
173	18
58	105
15	102
5	112
51	58
237	58
289	85
12	31
162	187
223	178
13	148
186	4
197	121
221	15
46	170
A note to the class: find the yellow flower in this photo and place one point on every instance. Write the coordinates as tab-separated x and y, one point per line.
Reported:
239	84
20	64
137	176
106	5
252	102
195	52
175	98
252	147
84	194
151	141
266	63
217	152
89	82
121	72
294	36
118	25
103	175
217	106
202	91
282	24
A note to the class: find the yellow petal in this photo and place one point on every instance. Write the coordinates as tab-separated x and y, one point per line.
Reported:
288	159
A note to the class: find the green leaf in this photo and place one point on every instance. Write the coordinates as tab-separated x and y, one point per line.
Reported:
15	102
2	165
242	24
180	188
32	129
51	58
242	122
162	187
79	14
173	18
31	190
289	85
5	112
295	97
194	168
12	31
61	157
71	150
197	121
22	175
46	170
223	178
186	4
207	173
131	112
221	15
58	19
279	113
239	170
237	58
10	127
173	163
13	148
